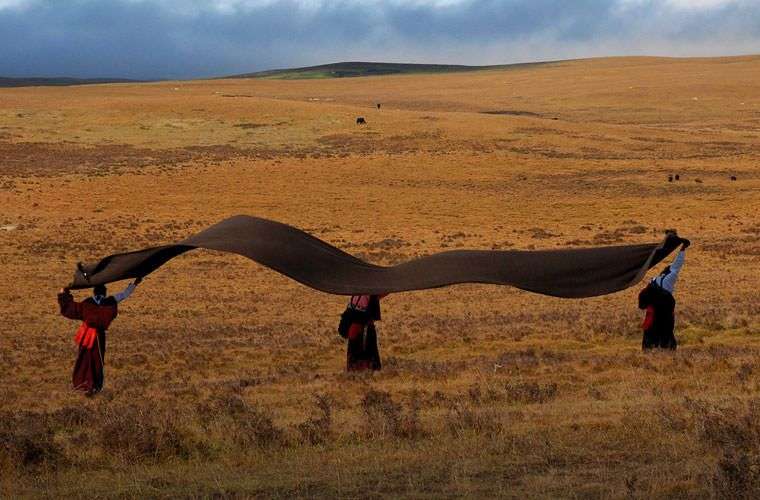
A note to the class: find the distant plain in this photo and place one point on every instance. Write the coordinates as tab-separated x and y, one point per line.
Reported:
225	378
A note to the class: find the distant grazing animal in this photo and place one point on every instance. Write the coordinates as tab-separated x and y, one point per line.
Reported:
378	105
670	178
733	177
698	181
678	177
361	121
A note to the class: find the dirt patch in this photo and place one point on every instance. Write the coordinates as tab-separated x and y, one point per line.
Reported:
396	144
50	159
44	159
250	125
511	112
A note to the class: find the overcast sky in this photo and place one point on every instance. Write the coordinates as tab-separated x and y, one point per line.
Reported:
195	38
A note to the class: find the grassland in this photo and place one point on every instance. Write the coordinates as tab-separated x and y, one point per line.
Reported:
226	379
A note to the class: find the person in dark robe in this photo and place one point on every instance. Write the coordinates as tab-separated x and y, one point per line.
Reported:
658	302
362	352
96	313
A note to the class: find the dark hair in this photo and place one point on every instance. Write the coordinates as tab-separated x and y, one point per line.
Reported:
99	290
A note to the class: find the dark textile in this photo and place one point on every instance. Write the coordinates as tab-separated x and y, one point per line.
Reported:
98	316
88	374
659	331
373	310
362	353
349	317
561	273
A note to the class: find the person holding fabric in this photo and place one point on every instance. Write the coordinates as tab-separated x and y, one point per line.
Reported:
362	352
659	303
96	313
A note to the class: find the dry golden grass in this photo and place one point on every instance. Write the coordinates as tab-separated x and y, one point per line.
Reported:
224	378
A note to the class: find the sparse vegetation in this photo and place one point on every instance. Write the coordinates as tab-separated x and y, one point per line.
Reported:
224	379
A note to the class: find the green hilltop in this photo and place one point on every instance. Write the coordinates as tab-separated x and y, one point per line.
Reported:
333	70
359	69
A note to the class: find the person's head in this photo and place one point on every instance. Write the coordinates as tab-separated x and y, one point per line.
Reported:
99	290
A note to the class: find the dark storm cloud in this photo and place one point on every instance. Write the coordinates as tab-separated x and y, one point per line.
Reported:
494	19
172	38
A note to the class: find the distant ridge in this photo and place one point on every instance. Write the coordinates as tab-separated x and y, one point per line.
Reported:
58	81
357	69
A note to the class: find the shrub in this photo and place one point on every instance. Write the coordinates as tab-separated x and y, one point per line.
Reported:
478	396
318	428
386	418
27	441
737	475
144	432
249	425
256	427
71	416
735	432
461	419
530	392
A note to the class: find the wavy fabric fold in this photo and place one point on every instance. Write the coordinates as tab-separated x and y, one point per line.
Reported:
570	273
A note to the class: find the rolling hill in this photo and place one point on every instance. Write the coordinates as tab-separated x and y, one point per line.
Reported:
57	81
358	69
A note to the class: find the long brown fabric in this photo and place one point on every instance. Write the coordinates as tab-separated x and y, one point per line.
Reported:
572	273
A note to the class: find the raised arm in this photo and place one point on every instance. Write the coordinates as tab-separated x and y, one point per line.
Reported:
678	262
124	294
68	307
669	281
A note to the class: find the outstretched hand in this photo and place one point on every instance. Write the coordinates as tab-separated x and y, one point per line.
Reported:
671	233
63	290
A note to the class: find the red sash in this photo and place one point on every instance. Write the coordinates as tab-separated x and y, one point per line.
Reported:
86	336
95	317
